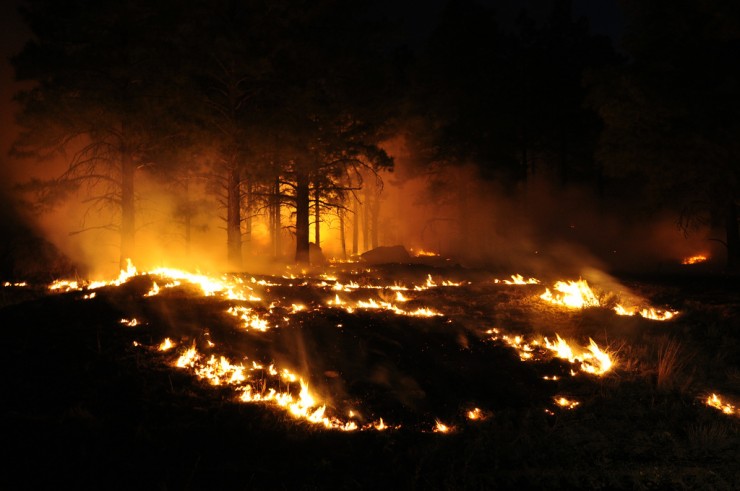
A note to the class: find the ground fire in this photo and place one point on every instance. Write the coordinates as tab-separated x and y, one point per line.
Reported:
279	303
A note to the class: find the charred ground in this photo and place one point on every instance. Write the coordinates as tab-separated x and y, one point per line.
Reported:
84	407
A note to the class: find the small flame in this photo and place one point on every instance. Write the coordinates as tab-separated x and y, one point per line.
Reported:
699	258
517	279
440	427
715	401
566	403
166	345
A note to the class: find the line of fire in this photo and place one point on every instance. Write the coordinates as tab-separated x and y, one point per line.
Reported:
475	244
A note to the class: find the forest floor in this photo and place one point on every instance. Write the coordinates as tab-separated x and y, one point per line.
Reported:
91	402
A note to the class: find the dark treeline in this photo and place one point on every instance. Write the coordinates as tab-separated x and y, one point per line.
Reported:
283	105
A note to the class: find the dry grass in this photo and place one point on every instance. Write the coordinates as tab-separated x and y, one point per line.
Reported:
709	437
671	366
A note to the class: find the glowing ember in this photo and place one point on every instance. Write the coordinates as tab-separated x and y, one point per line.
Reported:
566	403
572	294
130	322
16	285
423	253
699	258
716	402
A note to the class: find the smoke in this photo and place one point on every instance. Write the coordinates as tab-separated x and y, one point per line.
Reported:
540	227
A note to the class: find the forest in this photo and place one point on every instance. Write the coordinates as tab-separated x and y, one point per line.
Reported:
282	244
334	123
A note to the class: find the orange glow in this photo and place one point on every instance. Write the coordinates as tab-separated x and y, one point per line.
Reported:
699	258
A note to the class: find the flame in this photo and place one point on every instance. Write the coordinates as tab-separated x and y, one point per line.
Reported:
715	401
647	313
658	315
699	258
476	414
166	345
573	294
17	285
154	291
566	403
249	319
517	279
64	285
423	253
440	427
592	360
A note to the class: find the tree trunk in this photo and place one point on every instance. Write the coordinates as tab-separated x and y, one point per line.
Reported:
375	217
342	237
317	214
275	225
187	223
355	225
128	219
248	218
233	220
732	236
366	220
302	212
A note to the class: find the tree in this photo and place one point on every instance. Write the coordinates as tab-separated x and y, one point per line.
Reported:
96	72
332	98
671	114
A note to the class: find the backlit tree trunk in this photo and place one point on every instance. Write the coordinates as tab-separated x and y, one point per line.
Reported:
317	214
233	220
274	213
128	218
355	225
375	219
342	237
366	220
302	212
248	217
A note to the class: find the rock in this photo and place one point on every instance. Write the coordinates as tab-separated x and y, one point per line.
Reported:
386	254
315	254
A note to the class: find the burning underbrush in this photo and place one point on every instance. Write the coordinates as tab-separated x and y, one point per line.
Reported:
403	349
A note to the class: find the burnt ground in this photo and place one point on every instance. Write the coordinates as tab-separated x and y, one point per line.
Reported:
85	408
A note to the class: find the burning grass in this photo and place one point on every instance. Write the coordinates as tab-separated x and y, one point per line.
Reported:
444	369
